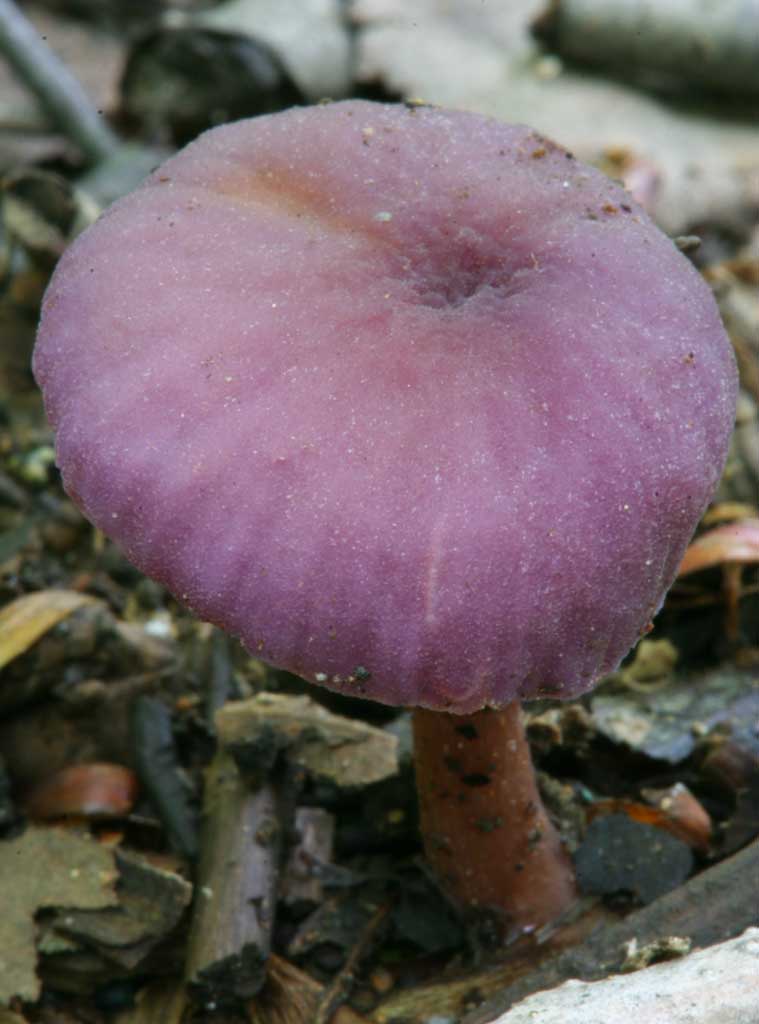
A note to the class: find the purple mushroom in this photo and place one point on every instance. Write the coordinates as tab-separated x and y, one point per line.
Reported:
418	406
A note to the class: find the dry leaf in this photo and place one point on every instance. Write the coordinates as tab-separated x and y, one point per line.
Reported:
25	620
45	867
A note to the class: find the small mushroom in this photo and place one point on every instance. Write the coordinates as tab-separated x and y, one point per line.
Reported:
731	547
418	406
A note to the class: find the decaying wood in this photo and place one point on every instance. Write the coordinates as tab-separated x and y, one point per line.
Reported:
236	886
242	825
712	986
290	996
220	683
314	840
346	751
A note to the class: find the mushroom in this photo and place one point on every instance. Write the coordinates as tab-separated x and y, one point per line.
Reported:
731	547
417	405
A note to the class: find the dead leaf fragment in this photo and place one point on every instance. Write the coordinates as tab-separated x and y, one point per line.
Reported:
151	903
675	810
25	620
42	212
47	868
663	723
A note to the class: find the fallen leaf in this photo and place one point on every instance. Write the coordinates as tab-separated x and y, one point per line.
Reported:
25	620
675	810
45	867
151	903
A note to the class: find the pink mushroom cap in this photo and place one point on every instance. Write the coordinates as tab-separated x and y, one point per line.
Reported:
417	405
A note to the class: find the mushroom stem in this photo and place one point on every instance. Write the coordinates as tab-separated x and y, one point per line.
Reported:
486	832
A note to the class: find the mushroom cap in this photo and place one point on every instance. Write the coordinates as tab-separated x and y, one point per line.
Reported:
410	400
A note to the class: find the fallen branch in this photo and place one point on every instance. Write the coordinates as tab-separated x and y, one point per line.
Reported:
59	92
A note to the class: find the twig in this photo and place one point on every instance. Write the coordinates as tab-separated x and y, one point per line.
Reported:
56	88
340	985
158	768
236	886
